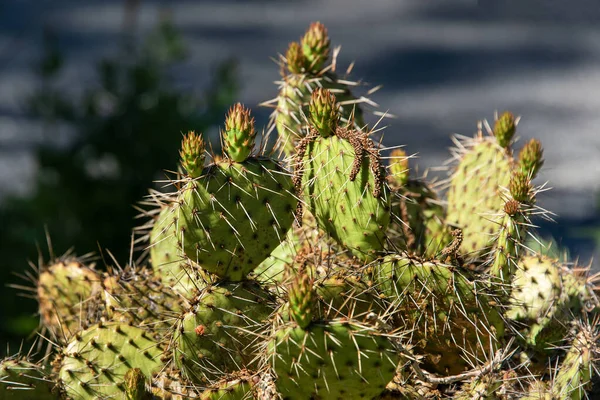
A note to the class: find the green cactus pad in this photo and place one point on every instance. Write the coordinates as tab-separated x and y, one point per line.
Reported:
475	197
217	334
452	317
231	219
137	297
331	360
69	295
545	295
346	296
345	209
96	360
174	270
272	270
21	379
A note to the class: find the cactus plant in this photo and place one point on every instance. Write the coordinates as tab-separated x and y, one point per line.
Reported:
380	290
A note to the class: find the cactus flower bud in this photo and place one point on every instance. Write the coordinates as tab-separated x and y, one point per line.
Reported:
135	385
512	207
295	58
239	134
302	298
520	187
504	129
530	158
315	46
399	169
192	154
323	112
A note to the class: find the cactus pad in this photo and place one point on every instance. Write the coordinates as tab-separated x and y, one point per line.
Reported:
331	360
96	360
346	197
453	319
65	292
474	196
217	334
230	219
21	379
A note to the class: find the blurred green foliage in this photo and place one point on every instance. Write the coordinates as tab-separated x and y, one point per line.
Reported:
127	130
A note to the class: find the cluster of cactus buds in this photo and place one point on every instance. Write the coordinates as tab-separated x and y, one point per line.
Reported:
324	274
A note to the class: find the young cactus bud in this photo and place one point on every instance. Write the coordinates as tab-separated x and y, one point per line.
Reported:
520	187
323	112
301	298
239	134
399	169
315	46
504	129
512	207
530	158
192	154
295	58
135	385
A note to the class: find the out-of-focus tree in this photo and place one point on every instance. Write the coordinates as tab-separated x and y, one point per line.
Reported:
127	129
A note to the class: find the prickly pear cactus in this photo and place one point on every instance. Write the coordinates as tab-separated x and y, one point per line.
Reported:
217	334
230	218
95	362
452	317
21	379
136	296
66	292
335	279
475	193
418	218
303	72
175	271
340	178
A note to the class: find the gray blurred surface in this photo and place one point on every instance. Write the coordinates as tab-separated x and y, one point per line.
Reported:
443	65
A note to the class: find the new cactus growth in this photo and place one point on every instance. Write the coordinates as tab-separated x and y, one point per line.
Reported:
192	154
341	181
530	158
239	135
315	46
380	291
306	73
504	129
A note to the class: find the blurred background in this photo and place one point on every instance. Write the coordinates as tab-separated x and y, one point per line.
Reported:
95	95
